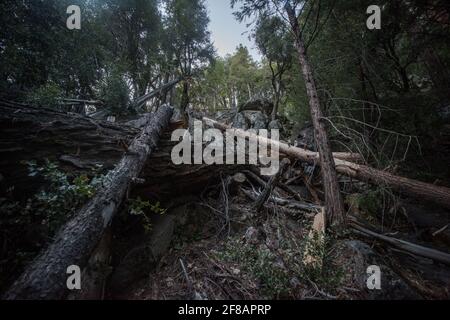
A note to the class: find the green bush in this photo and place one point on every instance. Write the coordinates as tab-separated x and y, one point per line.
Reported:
261	263
115	92
47	96
138	207
61	197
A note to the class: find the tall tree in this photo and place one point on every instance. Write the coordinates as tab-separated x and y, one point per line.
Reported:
292	12
187	24
242	72
275	43
135	28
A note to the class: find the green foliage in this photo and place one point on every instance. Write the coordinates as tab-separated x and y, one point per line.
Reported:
274	269
137	42
28	226
138	207
187	25
115	93
61	198
231	81
326	274
380	90
261	263
47	96
371	202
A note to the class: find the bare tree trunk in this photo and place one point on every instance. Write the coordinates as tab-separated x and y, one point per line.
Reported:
46	277
277	76
276	105
334	204
185	96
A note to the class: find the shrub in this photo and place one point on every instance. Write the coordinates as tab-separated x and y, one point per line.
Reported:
115	92
261	263
138	207
47	96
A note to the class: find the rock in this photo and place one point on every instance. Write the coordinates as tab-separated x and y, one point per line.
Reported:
177	115
356	257
241	122
258	120
306	139
303	137
142	259
161	237
275	125
252	236
261	104
444	112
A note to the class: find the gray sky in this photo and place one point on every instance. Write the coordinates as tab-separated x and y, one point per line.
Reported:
226	32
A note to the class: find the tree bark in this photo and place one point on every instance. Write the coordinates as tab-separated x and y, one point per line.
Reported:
185	96
46	277
412	248
334	205
79	144
76	143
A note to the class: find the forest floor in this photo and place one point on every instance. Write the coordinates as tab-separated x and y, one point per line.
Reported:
221	248
217	246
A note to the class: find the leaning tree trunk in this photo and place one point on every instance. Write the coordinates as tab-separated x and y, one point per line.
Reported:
334	204
46	277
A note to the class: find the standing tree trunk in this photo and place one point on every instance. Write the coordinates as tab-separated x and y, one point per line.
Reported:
277	76
185	96
334	204
276	100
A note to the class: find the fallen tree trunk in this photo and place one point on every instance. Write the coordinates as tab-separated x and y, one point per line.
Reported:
412	248
142	100
78	144
80	101
287	204
164	180
420	190
46	277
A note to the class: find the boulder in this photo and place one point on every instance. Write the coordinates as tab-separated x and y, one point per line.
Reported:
275	125
140	260
241	122
252	236
258	120
444	112
260	104
356	257
303	137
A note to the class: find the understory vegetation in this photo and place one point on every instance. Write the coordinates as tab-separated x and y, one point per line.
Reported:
29	225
